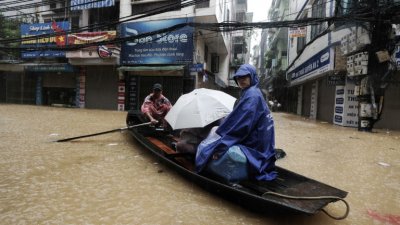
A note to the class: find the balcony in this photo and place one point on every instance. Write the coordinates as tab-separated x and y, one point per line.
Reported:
204	4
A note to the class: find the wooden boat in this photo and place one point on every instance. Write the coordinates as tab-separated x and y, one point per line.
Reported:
290	192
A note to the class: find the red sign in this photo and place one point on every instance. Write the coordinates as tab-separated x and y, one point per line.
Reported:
91	37
60	39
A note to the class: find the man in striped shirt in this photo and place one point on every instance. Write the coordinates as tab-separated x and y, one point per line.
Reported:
156	105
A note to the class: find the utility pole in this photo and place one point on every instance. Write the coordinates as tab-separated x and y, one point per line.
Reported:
372	86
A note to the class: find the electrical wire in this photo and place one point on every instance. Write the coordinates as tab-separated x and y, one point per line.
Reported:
159	10
65	8
216	27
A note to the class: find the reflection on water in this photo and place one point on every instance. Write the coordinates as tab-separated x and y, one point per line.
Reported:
111	179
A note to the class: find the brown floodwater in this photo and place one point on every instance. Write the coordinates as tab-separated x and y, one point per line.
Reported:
111	179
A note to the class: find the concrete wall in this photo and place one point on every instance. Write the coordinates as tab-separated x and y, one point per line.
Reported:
391	108
306	103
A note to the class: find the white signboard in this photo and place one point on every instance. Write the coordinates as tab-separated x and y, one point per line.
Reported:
297	32
313	67
346	106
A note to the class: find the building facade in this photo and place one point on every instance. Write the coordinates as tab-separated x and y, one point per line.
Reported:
274	57
333	69
118	76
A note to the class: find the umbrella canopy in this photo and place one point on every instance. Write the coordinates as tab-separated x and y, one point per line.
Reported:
199	108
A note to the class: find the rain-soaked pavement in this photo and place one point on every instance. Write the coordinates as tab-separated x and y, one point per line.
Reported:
111	179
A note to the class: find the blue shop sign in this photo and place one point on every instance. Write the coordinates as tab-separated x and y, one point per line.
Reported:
338	119
196	67
175	47
35	29
397	55
339	109
312	66
66	68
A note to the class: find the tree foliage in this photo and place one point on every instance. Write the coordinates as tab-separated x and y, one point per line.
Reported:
10	29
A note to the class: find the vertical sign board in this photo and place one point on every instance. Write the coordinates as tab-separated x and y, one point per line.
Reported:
339	105
133	90
351	117
397	56
346	106
82	87
173	47
314	97
39	90
77	89
121	96
48	40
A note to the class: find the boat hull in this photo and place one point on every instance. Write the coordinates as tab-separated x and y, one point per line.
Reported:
253	195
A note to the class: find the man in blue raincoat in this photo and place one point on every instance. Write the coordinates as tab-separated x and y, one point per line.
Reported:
249	126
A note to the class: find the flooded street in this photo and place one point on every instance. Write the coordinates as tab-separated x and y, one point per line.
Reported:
111	179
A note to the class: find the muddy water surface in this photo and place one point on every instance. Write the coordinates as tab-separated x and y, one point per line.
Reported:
111	179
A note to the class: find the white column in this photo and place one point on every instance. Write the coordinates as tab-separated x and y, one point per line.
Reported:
84	20
314	101
125	8
299	100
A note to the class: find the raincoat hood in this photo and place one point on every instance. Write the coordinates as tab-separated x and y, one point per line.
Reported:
247	69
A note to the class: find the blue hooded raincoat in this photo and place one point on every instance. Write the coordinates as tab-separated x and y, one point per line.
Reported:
249	126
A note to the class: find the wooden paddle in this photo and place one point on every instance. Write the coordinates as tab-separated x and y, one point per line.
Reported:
104	132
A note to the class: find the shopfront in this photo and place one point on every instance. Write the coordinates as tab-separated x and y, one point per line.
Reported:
17	87
55	84
315	96
97	82
140	81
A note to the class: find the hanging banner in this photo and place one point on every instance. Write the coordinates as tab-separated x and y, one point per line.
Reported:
175	47
90	4
91	37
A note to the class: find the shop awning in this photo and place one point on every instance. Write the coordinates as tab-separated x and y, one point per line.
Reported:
154	70
11	67
150	68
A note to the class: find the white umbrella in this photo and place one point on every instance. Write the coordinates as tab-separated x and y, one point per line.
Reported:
199	108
